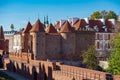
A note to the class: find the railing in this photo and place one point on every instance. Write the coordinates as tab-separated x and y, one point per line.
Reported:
68	71
80	73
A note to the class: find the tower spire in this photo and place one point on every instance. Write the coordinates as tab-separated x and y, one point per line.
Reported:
46	22
1	33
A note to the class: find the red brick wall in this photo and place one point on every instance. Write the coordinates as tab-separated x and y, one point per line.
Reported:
52	46
57	71
116	77
84	39
68	46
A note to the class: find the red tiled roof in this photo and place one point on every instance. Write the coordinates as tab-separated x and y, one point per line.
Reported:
98	23
81	23
67	28
28	28
75	22
92	23
38	27
51	29
57	25
109	25
1	33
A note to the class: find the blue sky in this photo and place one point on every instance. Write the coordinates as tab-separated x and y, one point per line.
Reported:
19	12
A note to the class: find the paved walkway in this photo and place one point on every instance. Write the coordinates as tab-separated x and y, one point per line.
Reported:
14	75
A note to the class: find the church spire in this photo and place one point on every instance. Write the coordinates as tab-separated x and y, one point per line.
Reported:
1	33
46	22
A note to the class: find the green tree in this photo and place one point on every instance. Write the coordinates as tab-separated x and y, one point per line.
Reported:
103	14
89	58
95	15
12	27
114	59
111	14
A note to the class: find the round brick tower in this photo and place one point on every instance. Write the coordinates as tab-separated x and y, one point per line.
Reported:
38	40
68	41
25	38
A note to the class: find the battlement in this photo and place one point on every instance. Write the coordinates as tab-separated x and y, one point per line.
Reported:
78	73
21	56
23	64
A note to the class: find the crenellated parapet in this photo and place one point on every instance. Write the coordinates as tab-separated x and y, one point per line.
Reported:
23	57
37	69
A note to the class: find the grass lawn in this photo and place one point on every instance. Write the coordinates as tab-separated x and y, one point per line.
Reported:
4	76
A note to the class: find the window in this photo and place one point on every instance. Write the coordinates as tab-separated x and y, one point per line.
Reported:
98	45
108	36
98	36
108	45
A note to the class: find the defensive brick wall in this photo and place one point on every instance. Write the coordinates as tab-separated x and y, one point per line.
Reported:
43	70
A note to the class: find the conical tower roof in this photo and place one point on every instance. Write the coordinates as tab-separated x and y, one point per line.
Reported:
1	33
28	28
38	27
67	28
57	25
51	29
80	24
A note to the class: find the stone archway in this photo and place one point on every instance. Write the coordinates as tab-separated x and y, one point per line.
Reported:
35	75
45	76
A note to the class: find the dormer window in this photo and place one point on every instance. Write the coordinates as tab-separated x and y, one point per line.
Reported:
104	27
96	28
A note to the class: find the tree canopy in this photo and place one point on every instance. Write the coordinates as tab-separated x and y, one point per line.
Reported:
103	14
89	58
95	15
114	59
12	27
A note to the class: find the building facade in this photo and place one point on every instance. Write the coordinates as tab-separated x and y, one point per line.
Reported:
9	35
17	40
103	43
